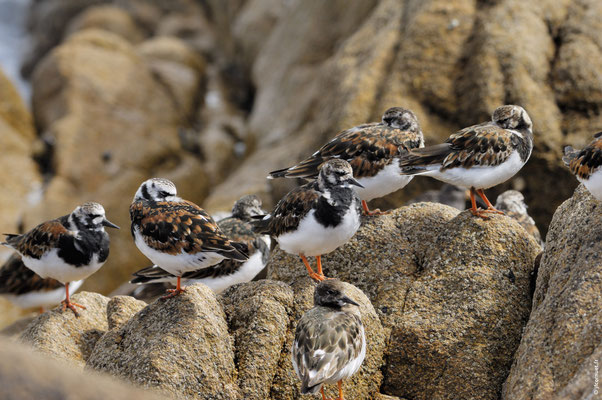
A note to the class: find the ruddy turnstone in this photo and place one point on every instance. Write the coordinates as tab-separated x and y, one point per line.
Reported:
318	217
68	249
373	150
25	289
228	272
512	203
177	235
586	165
478	157
329	344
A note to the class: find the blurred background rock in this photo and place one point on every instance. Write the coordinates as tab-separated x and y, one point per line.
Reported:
214	94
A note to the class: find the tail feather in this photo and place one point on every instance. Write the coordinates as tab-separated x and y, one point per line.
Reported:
12	240
261	223
239	253
279	173
309	389
153	273
569	155
308	168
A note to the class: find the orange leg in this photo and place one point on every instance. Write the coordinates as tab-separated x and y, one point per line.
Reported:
68	304
322	391
374	212
317	276
490	207
477	212
41	310
174	292
340	385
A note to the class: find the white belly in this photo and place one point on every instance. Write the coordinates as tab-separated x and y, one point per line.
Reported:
247	271
388	180
594	184
43	298
50	265
313	239
479	177
179	263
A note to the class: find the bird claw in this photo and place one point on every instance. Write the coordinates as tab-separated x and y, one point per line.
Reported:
479	212
173	293
67	304
372	213
317	277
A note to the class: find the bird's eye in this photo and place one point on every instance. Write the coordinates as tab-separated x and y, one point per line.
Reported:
340	173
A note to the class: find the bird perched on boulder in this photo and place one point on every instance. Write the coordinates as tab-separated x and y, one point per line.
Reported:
25	289
68	249
373	150
318	217
330	344
177	235
227	272
478	157
586	165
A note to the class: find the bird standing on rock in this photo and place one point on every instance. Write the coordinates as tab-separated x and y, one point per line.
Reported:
318	217
227	272
25	289
478	157
177	235
330	344
373	151
586	165
68	249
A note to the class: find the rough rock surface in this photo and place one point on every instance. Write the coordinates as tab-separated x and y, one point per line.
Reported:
63	335
121	309
453	289
180	345
558	347
25	374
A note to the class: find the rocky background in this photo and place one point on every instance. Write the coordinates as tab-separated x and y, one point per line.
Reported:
214	94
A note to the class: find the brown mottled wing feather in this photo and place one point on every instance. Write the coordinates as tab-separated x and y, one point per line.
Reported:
291	209
173	227
483	145
16	278
583	162
368	148
325	341
39	240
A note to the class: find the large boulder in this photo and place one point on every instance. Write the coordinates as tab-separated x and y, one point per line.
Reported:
563	338
180	345
452	289
63	335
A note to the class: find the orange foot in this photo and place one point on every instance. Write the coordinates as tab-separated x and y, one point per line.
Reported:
316	276
367	211
173	293
67	304
479	212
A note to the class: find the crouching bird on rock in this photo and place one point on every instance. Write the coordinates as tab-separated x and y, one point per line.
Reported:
373	150
177	235
227	272
329	344
478	157
318	217
586	165
68	249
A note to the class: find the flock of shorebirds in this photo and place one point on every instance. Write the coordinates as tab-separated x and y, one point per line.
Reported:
359	164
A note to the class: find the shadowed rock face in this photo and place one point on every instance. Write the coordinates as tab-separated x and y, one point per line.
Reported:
452	289
563	337
26	375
